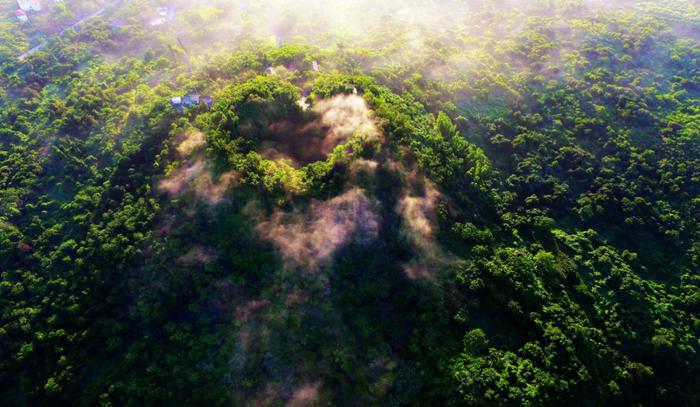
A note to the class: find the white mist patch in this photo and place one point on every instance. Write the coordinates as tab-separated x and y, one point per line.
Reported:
419	214
194	140
252	318
417	207
194	177
336	120
198	255
305	395
303	104
309	239
194	174
346	116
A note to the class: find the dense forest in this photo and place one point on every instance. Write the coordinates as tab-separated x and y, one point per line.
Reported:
439	203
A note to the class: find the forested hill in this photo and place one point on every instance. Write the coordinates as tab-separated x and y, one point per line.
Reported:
448	203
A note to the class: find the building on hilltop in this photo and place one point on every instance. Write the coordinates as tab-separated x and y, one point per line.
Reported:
191	99
207	101
29	5
157	22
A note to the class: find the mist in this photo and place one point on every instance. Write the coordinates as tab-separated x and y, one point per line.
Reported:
323	202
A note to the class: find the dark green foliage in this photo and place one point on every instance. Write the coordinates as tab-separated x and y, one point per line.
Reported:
531	206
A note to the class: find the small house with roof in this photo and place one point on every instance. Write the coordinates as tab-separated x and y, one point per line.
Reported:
190	99
21	16
157	22
207	101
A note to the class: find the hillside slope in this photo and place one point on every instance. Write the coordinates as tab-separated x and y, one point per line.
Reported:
456	203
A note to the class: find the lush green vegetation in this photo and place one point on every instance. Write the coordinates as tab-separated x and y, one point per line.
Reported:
496	206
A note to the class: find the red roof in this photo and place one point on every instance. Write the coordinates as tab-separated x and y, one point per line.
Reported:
20	13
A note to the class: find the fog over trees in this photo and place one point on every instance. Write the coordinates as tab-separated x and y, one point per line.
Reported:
328	203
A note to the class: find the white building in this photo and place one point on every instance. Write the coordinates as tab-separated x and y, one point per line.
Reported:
157	22
21	16
29	5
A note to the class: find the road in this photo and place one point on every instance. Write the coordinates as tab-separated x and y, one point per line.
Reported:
31	51
34	50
